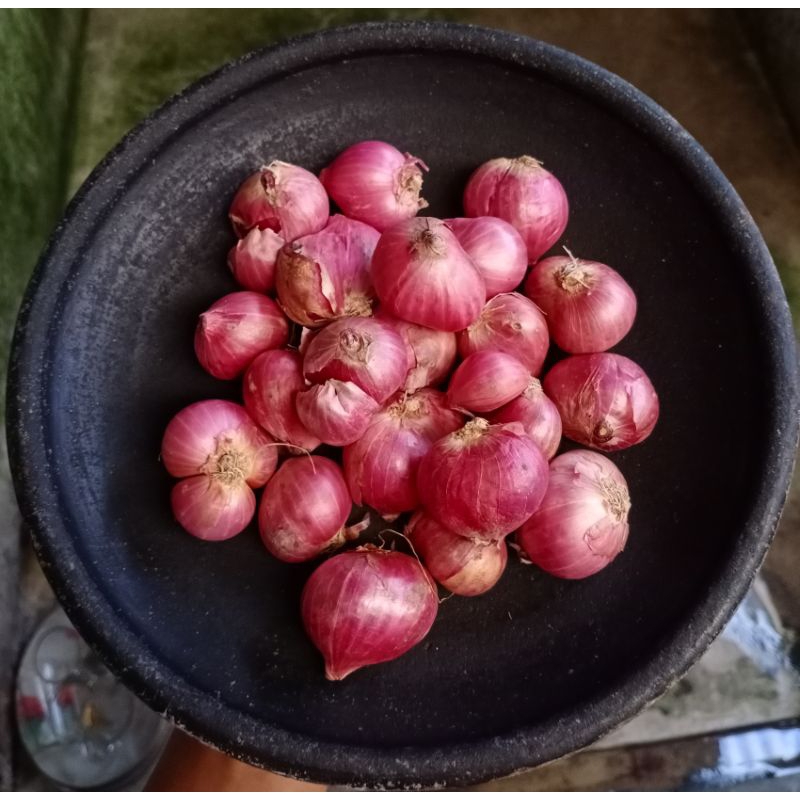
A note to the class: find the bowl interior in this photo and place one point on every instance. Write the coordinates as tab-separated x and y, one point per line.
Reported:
534	652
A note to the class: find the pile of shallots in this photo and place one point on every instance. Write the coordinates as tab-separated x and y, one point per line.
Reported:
404	341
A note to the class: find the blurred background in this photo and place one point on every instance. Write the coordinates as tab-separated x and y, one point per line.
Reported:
73	82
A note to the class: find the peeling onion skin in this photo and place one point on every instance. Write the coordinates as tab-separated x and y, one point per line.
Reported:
367	606
464	566
304	509
283	197
496	249
486	380
270	388
325	275
512	324
589	306
235	329
336	412
252	260
483	480
605	400
538	415
422	274
523	193
381	467
361	350
375	183
582	523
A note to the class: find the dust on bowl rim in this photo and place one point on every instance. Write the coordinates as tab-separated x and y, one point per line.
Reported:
30	398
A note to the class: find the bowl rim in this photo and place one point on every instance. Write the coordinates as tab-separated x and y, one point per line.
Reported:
257	741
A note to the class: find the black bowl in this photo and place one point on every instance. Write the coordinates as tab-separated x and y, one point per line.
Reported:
210	633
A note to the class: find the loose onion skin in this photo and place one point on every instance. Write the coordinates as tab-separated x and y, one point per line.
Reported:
326	274
605	400
362	350
538	415
523	193
270	388
283	198
252	260
589	306
336	412
582	523
431	354
422	274
375	183
487	380
303	509
220	453
512	324
483	480
381	467
367	606
235	330
496	249
467	567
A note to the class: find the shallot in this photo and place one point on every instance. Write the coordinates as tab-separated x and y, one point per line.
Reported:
336	412
487	380
252	260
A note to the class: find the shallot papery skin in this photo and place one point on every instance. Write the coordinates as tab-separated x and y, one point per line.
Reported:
304	508
375	183
483	480
605	400
512	324
252	260
283	197
270	387
422	274
464	566
381	467
496	249
523	193
235	330
326	275
538	415
589	306
431	353
336	412
367	606
487	380
582	523
220	453
362	350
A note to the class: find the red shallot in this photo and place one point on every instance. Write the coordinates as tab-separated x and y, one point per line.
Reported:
336	412
252	260
487	380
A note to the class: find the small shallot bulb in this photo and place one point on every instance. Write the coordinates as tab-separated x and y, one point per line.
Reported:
589	306
283	198
304	508
381	467
487	380
582	524
336	412
362	350
510	323
431	353
464	566
538	415
270	387
375	183
367	606
252	260
326	274
222	455
422	274
235	330
483	480
605	400
522	192
496	249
